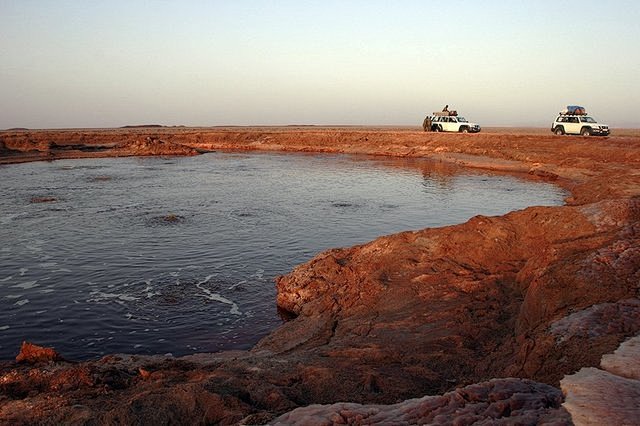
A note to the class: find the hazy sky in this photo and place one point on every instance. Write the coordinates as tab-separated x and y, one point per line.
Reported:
89	63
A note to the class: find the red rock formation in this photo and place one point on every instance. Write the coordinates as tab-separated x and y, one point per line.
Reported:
487	289
52	145
33	354
152	146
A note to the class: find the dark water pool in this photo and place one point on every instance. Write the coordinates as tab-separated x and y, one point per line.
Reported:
178	255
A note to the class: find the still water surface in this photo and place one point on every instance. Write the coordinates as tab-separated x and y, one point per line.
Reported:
100	270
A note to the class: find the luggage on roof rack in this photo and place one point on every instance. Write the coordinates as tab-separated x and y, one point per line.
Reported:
574	110
446	113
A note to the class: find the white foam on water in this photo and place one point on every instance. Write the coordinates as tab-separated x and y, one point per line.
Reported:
13	296
22	302
99	296
23	271
6	279
148	289
48	264
217	297
4	327
62	270
26	285
238	284
47	290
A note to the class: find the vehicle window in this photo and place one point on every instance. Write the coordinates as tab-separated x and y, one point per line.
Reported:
587	120
462	120
560	119
573	119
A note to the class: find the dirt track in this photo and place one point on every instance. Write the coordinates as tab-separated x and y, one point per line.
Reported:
534	294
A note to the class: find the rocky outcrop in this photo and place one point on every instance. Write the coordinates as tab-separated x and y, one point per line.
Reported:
535	294
497	402
152	146
24	142
21	146
610	395
488	289
34	354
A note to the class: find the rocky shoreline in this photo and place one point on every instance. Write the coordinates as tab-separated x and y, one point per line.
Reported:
491	314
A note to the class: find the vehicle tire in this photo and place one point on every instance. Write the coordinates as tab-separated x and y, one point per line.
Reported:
436	128
464	130
586	131
559	130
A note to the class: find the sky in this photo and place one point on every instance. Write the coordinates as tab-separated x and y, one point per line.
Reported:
94	63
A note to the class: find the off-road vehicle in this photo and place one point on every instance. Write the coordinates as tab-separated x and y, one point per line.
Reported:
575	121
452	123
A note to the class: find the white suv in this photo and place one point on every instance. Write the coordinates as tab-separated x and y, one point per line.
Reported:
578	125
453	123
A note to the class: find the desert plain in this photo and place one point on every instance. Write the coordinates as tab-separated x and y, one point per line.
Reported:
530	318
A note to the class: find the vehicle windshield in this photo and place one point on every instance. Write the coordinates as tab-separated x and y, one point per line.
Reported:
587	120
462	119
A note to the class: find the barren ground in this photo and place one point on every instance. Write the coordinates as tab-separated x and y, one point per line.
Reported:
535	294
